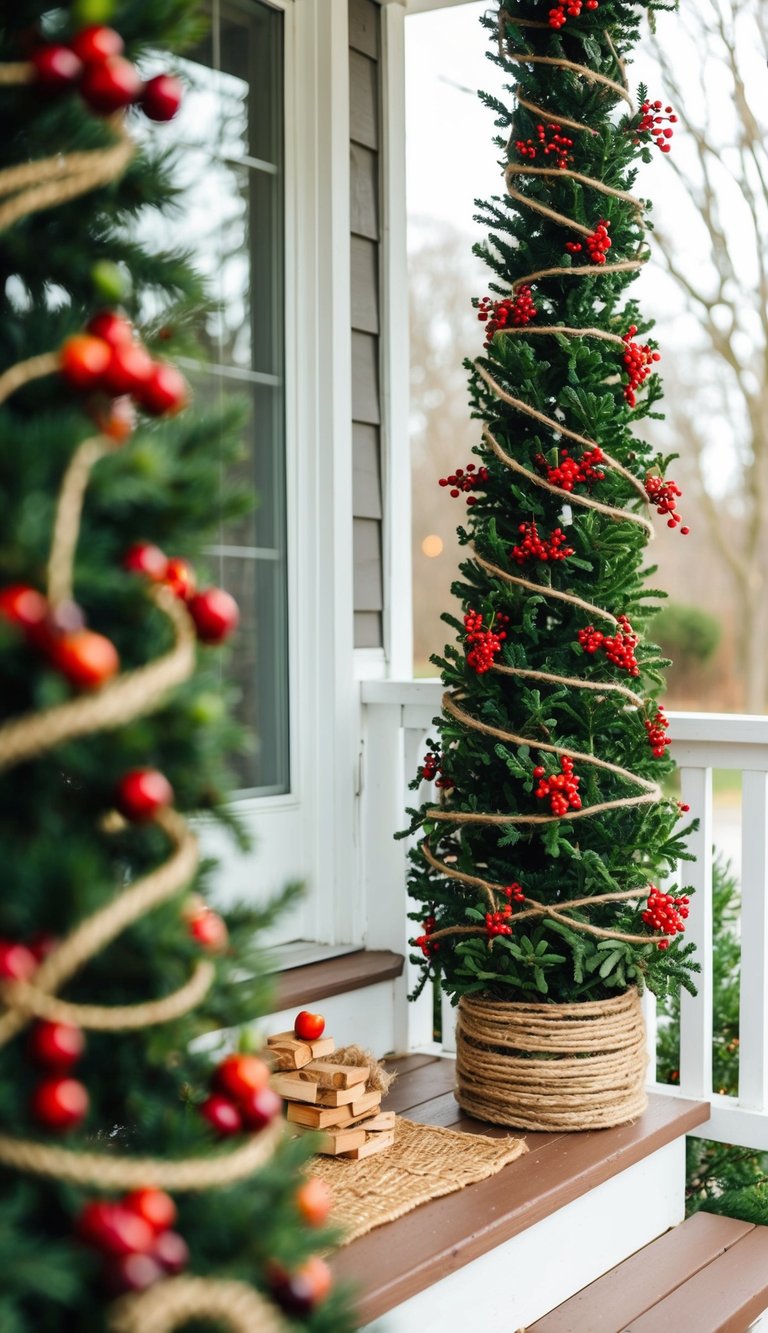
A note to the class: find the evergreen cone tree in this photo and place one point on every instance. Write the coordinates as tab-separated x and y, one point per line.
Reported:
539	870
142	1185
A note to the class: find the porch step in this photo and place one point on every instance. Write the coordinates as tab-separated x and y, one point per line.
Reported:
412	1268
709	1275
300	986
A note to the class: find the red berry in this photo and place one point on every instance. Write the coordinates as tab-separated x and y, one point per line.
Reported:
110	85
155	1206
165	391
84	360
239	1075
129	367
88	660
209	930
141	793
132	1272
60	1104
308	1026
59	1045
17	962
96	43
298	1293
113	328
56	67
215	614
144	558
313	1200
23	606
161	97
171	1252
222	1114
115	1229
259	1107
180	577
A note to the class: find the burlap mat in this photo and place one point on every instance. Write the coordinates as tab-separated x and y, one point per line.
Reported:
423	1163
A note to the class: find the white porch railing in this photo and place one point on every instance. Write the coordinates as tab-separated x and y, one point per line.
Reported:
397	721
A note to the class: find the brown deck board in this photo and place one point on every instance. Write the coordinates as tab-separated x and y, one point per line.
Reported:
633	1287
725	1297
395	1262
300	986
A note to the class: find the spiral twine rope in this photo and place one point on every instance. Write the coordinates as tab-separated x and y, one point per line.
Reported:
25	189
499	1077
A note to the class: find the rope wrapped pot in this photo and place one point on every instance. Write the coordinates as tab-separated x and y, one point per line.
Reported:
552	1066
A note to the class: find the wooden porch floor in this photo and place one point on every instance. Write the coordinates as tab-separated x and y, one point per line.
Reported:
396	1261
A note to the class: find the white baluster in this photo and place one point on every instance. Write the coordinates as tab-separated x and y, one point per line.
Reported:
696	1012
753	1005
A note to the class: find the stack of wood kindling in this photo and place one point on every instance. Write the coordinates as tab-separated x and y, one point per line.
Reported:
329	1099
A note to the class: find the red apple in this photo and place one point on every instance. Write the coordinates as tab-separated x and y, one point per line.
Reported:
222	1114
308	1026
96	43
260	1107
209	930
129	367
17	962
58	1045
239	1075
144	558
83	360
60	1104
215	613
115	1229
56	67
141	793
161	97
165	392
155	1206
88	660
113	328
23	606
110	85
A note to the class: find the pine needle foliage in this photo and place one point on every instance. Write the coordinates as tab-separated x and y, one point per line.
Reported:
576	383
58	863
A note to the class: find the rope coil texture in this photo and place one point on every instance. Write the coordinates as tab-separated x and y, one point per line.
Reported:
25	189
552	1066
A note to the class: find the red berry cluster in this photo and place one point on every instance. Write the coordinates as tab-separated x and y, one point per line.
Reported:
93	62
427	945
562	788
664	495
656	728
465	480
241	1098
87	660
214	612
512	311
569	472
550	141
432	767
638	360
597	243
534	547
514	892
569	9
135	1238
109	361
651	122
486	643
497	923
665	913
619	648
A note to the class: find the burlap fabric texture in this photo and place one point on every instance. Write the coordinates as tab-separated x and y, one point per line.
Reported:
552	1066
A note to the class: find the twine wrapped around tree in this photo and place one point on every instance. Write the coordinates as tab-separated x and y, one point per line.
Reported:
552	1066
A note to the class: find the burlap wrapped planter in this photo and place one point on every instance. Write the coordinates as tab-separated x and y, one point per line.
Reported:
552	1066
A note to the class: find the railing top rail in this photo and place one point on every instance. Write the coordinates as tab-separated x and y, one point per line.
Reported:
707	728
